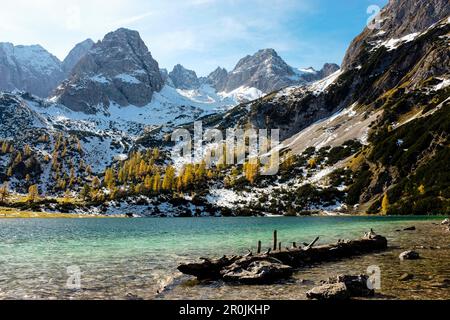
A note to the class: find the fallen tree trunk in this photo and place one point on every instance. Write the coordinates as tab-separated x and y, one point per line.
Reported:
280	264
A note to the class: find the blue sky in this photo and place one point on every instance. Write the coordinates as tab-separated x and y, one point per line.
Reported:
200	34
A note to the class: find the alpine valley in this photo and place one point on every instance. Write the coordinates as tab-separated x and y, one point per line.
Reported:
91	134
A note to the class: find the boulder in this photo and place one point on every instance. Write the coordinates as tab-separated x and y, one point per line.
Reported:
335	291
356	285
409	255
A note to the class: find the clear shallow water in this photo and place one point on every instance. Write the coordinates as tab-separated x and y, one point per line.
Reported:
123	258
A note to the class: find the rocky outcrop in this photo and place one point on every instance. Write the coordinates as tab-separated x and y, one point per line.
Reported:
76	54
183	78
29	68
218	79
327	70
17	117
398	19
119	69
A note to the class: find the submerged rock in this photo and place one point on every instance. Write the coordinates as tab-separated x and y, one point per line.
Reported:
409	255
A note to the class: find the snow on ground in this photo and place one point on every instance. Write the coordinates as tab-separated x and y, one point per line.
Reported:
99	151
225	197
444	84
393	44
99	79
142	206
127	78
347	124
242	94
321	85
167	106
32	57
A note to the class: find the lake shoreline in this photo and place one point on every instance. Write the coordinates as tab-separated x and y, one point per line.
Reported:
12	213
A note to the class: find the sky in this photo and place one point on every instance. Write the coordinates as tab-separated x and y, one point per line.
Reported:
199	34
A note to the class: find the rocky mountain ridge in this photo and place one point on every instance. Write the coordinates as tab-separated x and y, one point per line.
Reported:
29	68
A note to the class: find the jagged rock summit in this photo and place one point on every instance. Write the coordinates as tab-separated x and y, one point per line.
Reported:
183	78
265	71
119	69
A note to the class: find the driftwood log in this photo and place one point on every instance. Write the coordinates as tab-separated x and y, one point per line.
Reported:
280	264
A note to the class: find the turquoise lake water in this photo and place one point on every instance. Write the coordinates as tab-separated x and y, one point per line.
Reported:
123	258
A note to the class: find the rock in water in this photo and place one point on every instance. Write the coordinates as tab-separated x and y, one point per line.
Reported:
335	291
257	272
409	255
356	285
446	222
410	229
342	287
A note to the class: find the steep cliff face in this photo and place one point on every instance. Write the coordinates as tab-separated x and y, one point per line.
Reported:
119	69
398	19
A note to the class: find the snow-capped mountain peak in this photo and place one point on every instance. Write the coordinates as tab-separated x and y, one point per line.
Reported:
30	68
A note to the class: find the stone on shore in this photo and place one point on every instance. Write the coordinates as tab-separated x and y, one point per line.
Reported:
342	287
409	255
335	291
357	285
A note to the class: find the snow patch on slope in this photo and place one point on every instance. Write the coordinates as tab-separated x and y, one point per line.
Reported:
243	94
